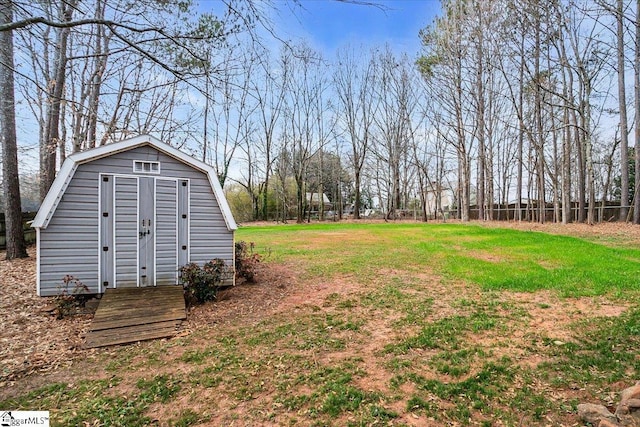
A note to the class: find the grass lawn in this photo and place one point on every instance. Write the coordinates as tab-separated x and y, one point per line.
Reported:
382	324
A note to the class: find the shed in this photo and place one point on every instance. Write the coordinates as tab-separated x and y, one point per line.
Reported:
130	214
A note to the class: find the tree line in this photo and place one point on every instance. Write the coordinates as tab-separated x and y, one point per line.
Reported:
519	103
533	98
511	104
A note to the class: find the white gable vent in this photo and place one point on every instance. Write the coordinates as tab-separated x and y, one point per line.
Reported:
140	166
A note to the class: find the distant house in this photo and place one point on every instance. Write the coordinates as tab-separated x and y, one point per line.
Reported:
447	200
313	199
130	214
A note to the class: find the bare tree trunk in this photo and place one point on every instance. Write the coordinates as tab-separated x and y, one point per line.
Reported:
480	125
521	130
556	168
622	105
423	197
463	157
321	188
205	117
538	124
591	192
100	65
566	148
465	183
52	133
582	202
356	202
566	167
636	88
16	247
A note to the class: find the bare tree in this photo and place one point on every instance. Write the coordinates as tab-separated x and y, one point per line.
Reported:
394	90
304	109
49	144
445	49
636	102
128	74
16	247
588	55
428	154
353	80
270	98
622	105
231	112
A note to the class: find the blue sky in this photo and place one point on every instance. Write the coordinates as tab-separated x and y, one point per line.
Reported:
330	24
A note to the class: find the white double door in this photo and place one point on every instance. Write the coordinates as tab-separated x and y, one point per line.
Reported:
144	230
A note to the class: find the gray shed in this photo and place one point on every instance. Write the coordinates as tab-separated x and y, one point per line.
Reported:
130	214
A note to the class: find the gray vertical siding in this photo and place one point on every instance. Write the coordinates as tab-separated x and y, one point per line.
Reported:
126	190
208	238
69	245
147	224
166	232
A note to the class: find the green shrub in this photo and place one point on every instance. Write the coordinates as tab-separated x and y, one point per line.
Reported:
201	284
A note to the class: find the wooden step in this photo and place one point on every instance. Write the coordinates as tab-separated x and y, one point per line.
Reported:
127	315
130	334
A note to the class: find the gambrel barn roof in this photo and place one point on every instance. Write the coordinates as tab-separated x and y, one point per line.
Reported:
51	201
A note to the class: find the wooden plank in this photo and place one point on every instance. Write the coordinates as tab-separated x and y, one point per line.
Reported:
150	314
125	331
145	327
132	304
131	334
99	341
127	315
133	310
149	311
135	321
133	307
139	295
117	294
140	318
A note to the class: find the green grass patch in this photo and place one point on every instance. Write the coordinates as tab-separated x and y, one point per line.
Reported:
97	402
188	418
493	258
446	334
605	351
313	331
336	394
160	388
477	393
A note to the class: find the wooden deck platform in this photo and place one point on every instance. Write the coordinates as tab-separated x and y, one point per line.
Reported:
127	315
